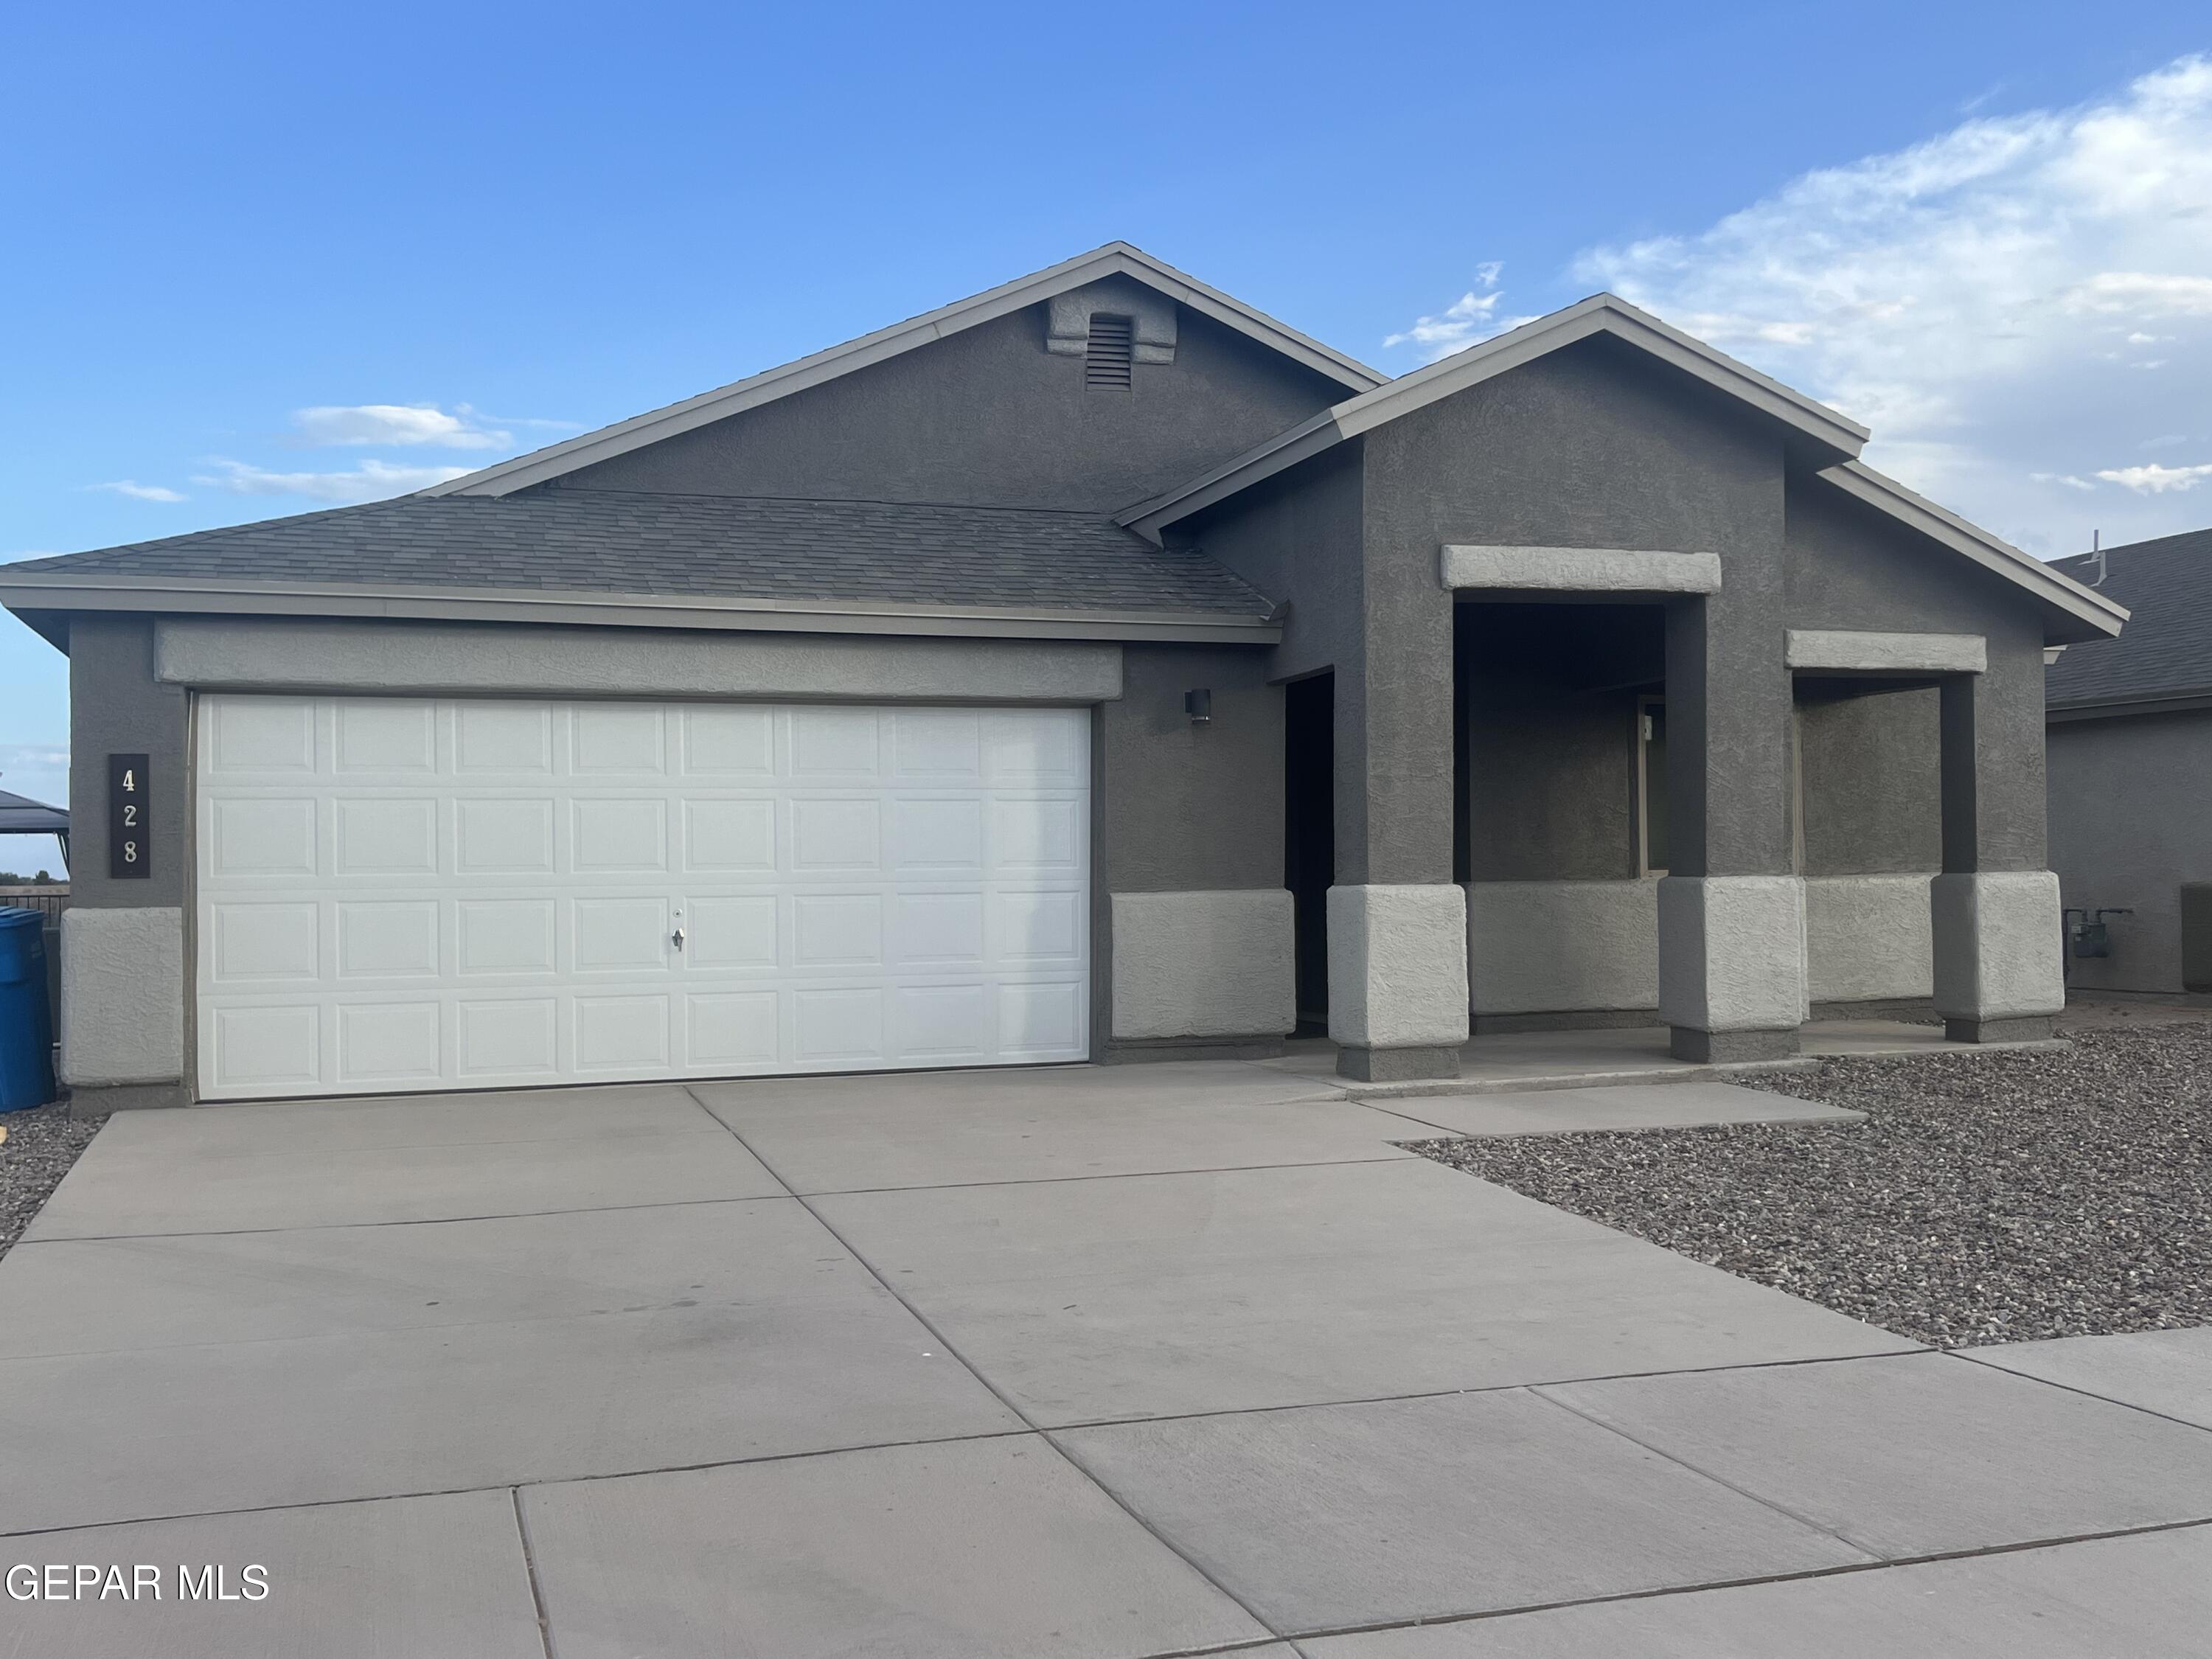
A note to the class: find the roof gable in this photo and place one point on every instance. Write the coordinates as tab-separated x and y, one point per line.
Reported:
1837	435
1833	439
1115	258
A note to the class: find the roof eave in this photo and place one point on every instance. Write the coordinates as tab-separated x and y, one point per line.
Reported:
1115	258
57	593
1830	435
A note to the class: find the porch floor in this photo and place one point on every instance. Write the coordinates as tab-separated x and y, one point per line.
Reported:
1632	1054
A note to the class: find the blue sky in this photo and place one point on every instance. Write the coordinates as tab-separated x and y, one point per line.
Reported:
239	233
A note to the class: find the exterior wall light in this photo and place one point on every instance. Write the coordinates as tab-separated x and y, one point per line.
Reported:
1198	705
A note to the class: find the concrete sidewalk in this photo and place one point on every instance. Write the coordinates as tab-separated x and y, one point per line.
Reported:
1119	1362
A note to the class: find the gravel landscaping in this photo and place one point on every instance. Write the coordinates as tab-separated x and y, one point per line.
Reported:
1997	1197
42	1144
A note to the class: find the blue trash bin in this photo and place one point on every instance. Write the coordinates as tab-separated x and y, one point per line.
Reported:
26	1022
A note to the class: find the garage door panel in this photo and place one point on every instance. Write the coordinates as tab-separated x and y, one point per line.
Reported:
250	943
1041	834
492	739
935	930
1042	1022
740	932
732	744
258	836
503	835
386	739
845	744
730	1031
1038	928
259	1047
506	1036
840	1025
836	833
941	1025
936	835
414	894
504	936
383	1044
384	836
937	746
730	837
619	935
621	836
261	737
618	740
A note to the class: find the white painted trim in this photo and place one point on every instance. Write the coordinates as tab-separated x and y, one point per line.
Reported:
1115	259
2055	588
1601	314
1886	653
60	591
1581	569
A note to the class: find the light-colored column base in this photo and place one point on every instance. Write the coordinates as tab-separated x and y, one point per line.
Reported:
1204	964
1997	953
1397	980
123	996
1732	965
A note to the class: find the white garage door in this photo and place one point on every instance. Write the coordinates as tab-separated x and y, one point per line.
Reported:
478	894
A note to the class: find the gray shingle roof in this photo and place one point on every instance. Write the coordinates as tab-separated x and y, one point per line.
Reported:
740	547
2166	649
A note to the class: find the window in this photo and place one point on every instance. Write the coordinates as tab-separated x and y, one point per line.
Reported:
1109	352
1651	786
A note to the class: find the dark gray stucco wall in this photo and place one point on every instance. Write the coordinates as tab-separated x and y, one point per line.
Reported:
1550	708
1192	808
116	706
1870	783
2130	804
1850	567
989	416
1594	446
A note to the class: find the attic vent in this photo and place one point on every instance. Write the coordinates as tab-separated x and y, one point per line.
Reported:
1109	352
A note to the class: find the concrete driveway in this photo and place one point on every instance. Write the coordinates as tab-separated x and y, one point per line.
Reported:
1098	1362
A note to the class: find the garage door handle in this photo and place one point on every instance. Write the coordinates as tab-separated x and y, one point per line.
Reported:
676	938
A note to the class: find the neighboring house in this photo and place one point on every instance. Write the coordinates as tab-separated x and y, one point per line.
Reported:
2130	741
1095	668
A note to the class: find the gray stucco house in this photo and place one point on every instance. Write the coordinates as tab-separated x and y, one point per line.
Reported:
2130	769
1094	668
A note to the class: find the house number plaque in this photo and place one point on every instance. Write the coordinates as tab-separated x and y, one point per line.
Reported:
128	824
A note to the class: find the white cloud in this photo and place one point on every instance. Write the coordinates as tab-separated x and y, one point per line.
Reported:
138	492
1987	302
1468	320
2155	480
398	424
372	480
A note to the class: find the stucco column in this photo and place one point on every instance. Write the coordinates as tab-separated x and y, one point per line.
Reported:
1994	911
1397	920
1731	907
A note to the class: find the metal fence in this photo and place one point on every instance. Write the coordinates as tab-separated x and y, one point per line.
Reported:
51	900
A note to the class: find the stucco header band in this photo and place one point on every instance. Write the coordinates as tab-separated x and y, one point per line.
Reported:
421	659
1842	652
1581	569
